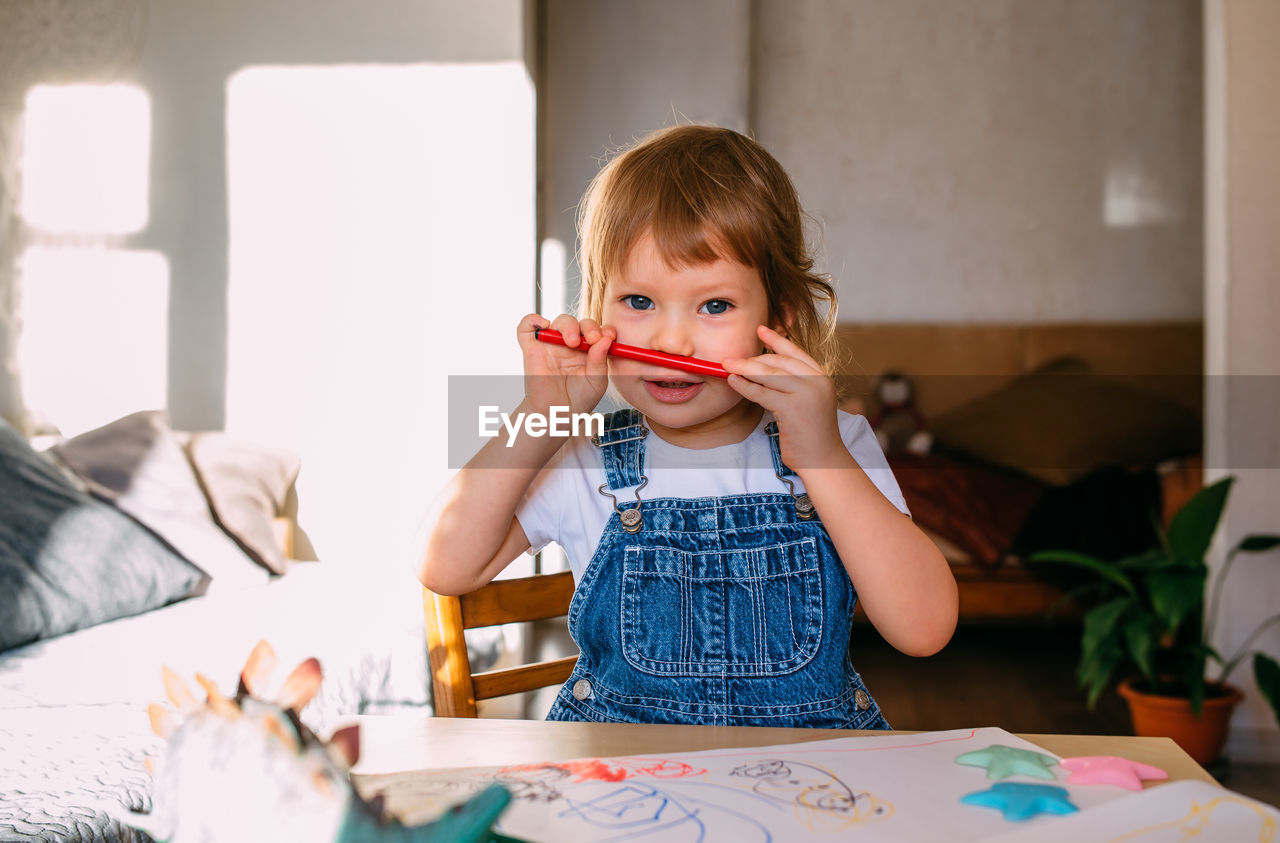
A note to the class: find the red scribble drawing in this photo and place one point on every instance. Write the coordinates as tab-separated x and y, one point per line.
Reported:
798	748
669	769
596	769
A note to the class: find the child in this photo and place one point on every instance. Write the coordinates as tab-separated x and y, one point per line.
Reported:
718	529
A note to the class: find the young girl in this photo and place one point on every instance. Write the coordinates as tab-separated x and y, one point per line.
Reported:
719	531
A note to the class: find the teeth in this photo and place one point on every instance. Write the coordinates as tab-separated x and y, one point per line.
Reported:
673	384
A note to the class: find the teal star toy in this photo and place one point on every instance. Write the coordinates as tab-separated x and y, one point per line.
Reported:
1019	801
1005	761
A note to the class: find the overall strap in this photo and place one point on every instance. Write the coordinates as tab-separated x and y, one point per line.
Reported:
804	507
622	448
779	467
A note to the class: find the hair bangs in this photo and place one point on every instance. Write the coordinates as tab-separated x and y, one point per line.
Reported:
704	193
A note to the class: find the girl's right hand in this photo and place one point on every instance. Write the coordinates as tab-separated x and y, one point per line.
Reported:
563	376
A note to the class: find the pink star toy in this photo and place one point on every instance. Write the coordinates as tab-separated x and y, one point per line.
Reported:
1108	769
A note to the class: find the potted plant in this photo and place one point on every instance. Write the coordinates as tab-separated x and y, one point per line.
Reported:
1148	617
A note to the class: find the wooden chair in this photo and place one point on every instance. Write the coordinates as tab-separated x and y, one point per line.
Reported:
501	601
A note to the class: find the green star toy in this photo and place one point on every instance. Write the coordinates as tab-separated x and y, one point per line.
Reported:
1002	762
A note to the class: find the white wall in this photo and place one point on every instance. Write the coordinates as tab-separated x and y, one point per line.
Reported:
1242	309
992	160
193	49
616	69
341	194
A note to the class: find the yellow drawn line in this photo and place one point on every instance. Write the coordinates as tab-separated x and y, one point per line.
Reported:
1195	822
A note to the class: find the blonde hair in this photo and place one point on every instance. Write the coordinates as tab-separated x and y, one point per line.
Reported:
706	193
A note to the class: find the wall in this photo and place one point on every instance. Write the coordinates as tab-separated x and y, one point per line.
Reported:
1242	309
329	183
615	69
991	160
193	50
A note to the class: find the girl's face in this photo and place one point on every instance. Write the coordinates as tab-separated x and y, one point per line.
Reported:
710	311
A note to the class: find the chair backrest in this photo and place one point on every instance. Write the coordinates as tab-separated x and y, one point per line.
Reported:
501	601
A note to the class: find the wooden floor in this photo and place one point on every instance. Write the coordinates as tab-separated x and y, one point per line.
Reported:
1020	678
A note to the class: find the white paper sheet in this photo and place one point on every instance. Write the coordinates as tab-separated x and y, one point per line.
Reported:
892	787
1186	810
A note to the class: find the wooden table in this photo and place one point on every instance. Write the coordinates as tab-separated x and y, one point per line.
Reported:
406	743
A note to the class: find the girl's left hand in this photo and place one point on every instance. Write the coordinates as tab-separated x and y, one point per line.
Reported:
790	384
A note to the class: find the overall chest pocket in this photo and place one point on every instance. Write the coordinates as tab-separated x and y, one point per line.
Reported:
754	612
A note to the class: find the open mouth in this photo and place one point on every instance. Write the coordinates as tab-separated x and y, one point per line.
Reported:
672	391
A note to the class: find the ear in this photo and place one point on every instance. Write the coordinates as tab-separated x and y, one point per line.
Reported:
782	319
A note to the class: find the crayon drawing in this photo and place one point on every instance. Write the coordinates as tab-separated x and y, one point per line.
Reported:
881	787
1179	811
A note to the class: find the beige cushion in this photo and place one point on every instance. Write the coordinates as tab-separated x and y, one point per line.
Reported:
248	486
1059	425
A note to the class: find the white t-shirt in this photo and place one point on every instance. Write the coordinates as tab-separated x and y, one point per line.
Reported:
564	505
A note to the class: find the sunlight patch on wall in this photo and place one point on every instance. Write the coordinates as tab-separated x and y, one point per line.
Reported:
554	262
382	238
86	152
94	340
1133	197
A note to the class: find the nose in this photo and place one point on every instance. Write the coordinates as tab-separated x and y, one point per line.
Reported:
674	335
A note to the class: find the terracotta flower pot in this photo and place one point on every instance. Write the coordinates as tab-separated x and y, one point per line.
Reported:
1201	737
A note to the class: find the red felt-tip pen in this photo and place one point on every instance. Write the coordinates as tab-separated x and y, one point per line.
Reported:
644	355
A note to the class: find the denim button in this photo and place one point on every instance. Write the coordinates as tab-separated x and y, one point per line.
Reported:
860	699
582	689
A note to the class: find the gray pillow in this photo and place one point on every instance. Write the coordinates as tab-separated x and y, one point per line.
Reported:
68	561
137	464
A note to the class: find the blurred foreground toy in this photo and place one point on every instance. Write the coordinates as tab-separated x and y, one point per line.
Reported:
246	769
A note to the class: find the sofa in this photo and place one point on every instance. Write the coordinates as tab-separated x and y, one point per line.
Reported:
135	546
1073	436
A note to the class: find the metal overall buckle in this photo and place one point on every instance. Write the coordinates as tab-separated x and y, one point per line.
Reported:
804	507
631	518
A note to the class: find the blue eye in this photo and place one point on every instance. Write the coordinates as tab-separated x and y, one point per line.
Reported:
638	302
715	307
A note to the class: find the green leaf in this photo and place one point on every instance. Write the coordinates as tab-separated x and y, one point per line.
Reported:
1199	659
1144	561
1142	634
1100	677
1267	674
1258	543
1192	528
1096	664
1070	596
1175	594
1099	624
1196	684
1106	570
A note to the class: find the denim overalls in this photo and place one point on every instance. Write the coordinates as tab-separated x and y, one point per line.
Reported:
721	611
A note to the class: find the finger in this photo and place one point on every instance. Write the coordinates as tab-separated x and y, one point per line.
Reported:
779	363
598	354
759	369
529	324
766	371
590	329
784	346
754	392
569	329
